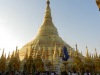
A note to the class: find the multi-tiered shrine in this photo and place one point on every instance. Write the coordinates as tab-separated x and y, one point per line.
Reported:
47	43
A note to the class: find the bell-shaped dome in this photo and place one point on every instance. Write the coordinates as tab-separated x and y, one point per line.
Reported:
47	34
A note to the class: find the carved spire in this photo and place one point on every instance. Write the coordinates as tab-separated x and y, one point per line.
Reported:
43	53
92	56
47	54
76	47
12	56
34	53
70	53
3	56
8	58
60	52
87	53
56	55
38	56
76	52
56	50
3	62
96	55
26	55
50	53
40	50
16	52
31	51
16	47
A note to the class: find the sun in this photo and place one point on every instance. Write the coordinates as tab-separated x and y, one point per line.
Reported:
7	40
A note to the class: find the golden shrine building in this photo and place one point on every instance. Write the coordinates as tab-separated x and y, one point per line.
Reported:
44	53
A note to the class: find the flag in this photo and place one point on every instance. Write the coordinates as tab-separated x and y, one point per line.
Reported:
98	4
65	54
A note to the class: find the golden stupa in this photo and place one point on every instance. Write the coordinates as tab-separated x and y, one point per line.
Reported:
47	36
44	53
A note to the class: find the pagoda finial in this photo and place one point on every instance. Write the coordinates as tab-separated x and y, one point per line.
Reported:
87	53
76	52
3	50
48	10
76	47
48	2
16	47
96	55
8	58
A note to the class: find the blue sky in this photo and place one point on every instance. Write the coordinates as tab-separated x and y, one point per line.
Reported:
77	21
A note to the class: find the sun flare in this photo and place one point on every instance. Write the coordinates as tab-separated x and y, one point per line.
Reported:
7	41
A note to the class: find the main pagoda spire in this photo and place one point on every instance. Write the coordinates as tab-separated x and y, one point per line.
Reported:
48	10
47	27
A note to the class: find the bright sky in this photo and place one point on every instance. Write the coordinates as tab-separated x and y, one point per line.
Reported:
77	21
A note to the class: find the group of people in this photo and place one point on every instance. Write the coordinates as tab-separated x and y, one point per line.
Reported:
78	73
49	73
25	73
